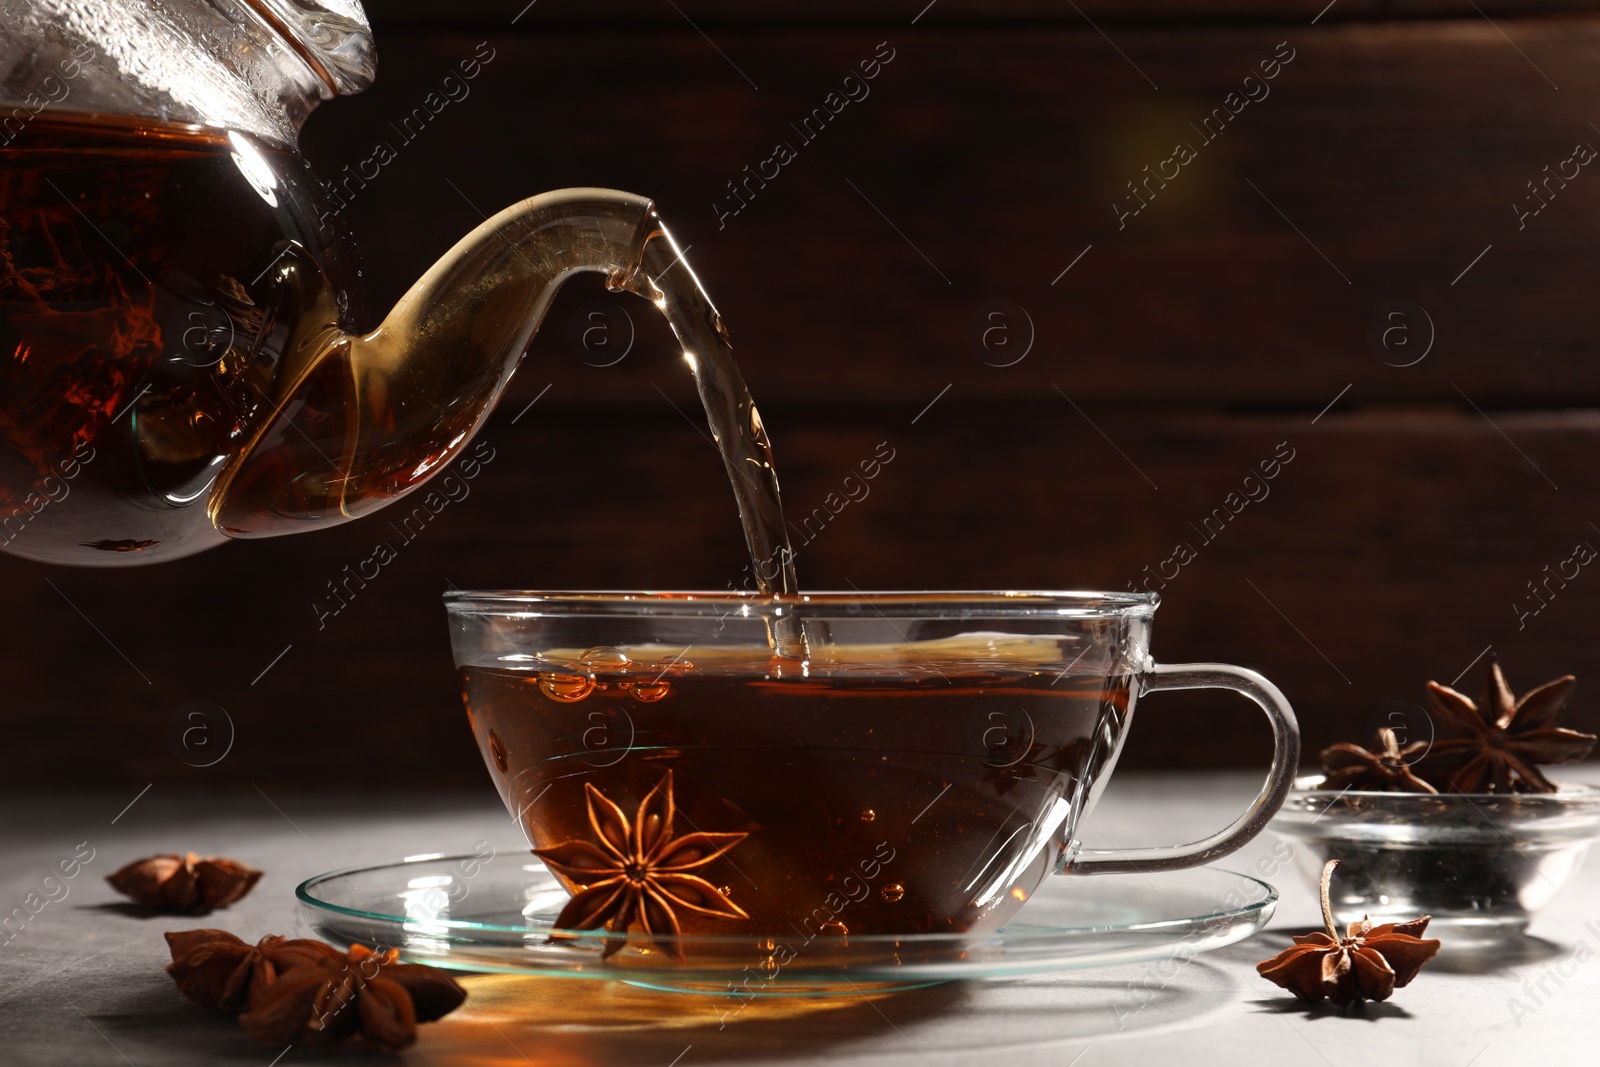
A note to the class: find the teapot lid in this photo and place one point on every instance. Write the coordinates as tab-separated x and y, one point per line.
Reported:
258	66
332	36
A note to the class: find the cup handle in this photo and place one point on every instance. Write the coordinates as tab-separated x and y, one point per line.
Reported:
1285	760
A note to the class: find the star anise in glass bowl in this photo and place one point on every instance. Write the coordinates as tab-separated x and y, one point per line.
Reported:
1482	861
1497	744
1386	770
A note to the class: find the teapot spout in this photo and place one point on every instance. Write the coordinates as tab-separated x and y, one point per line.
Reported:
359	421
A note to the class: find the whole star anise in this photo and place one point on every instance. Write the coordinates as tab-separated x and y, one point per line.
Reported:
639	873
184	884
365	993
1387	770
215	969
1368	963
1496	746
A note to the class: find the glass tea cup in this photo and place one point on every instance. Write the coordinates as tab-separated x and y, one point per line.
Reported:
921	769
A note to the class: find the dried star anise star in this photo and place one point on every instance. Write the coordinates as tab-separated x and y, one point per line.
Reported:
1387	770
368	994
1368	963
215	969
639	873
185	884
1496	745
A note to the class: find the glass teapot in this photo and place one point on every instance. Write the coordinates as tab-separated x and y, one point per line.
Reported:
182	351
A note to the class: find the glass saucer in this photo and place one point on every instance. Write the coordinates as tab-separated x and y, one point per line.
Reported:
472	914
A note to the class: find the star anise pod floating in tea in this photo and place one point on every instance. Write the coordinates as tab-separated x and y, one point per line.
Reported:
639	873
1368	963
185	884
365	993
215	969
1387	770
1496	745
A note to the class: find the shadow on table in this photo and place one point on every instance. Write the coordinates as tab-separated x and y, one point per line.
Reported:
1370	1010
128	910
152	1019
1503	956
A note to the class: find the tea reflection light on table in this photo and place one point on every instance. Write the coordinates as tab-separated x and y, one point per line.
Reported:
516	1020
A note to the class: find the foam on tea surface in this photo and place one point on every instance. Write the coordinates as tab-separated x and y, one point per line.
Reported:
957	654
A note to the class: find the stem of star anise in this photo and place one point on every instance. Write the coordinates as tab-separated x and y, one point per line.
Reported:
1327	911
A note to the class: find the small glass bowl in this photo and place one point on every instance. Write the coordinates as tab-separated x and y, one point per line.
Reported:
1482	864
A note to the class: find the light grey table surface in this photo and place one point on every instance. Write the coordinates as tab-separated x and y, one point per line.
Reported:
81	982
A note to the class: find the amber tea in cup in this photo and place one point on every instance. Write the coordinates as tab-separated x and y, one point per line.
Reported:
920	770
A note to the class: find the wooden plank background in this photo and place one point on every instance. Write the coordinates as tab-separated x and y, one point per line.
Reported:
1230	315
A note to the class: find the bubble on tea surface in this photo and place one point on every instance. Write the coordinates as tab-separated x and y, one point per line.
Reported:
893	893
835	929
867	815
726	890
650	692
567	688
604	658
498	751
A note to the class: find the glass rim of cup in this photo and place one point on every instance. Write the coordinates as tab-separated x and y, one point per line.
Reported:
822	604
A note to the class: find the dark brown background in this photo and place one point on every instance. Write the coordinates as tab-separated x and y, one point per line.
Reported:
1390	551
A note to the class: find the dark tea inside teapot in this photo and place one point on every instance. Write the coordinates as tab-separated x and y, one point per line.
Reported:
142	323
